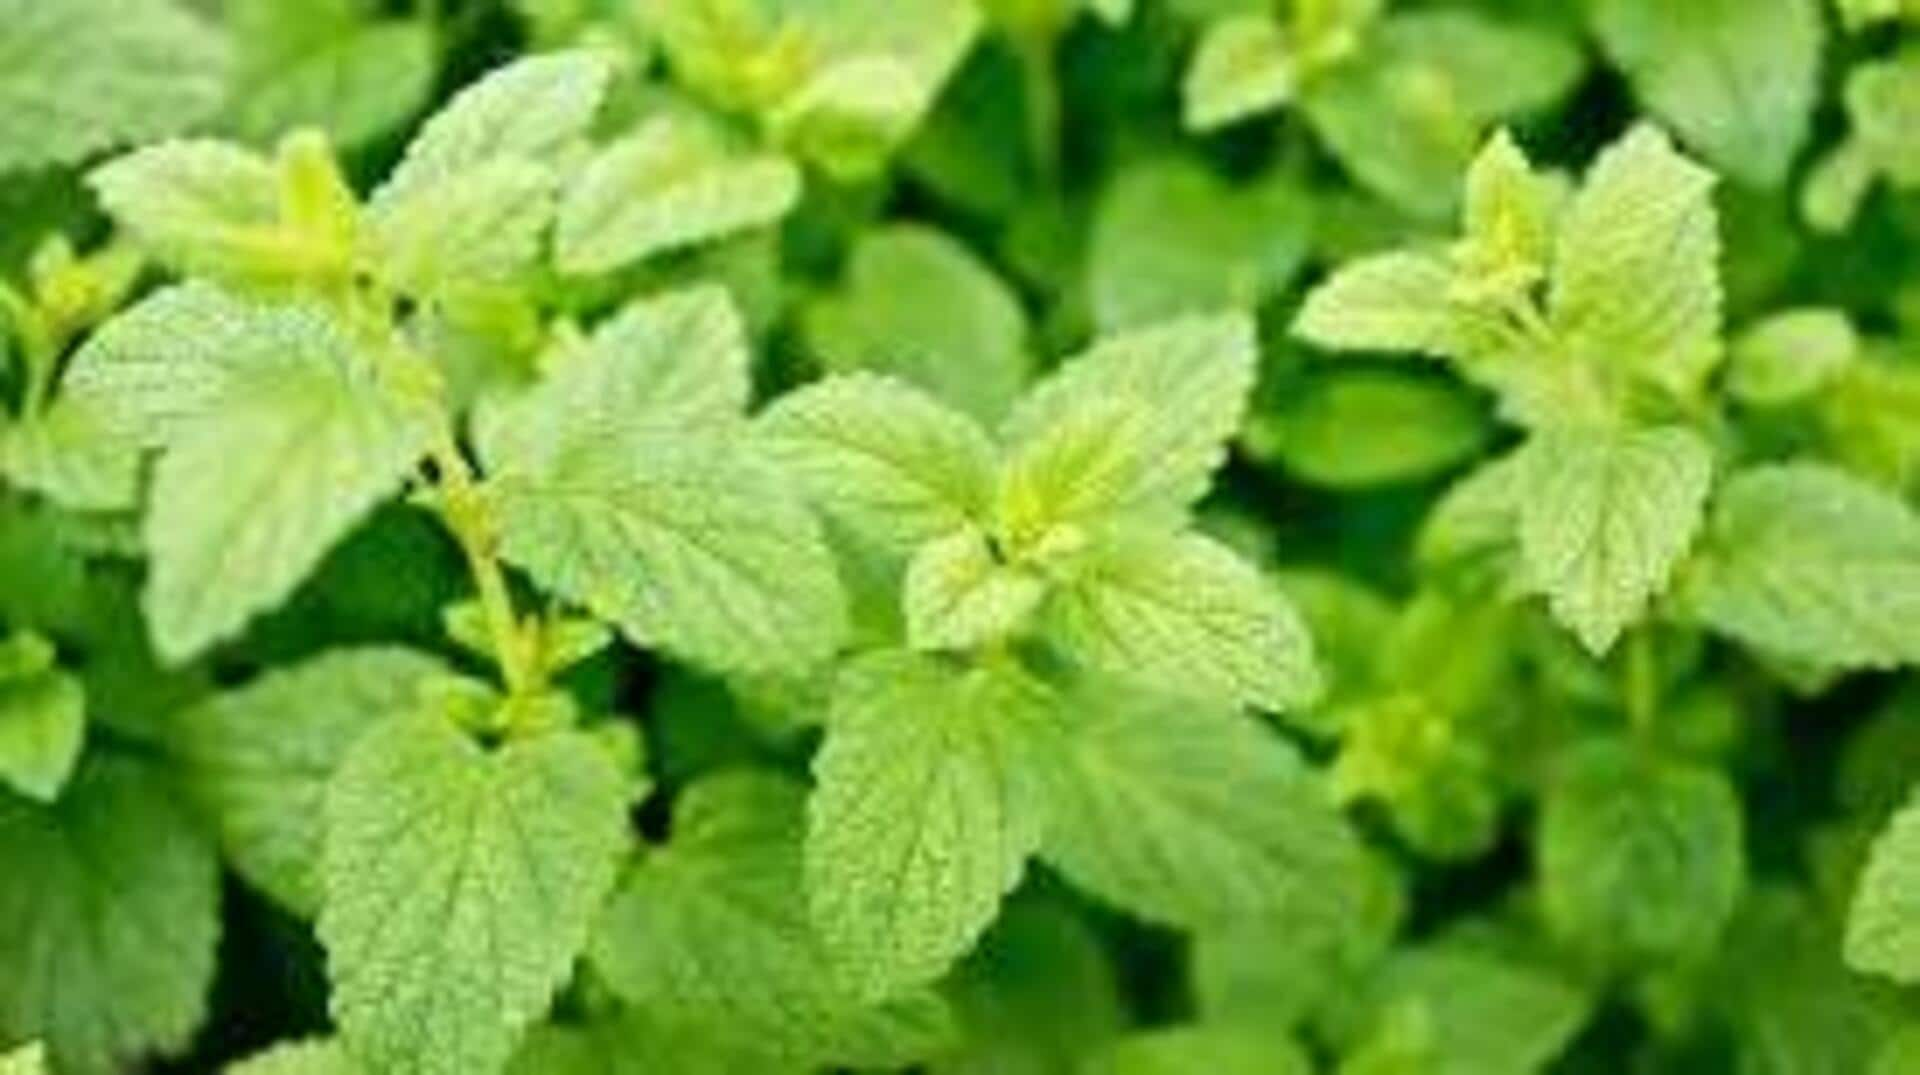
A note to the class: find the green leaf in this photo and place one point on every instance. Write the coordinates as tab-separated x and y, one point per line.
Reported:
80	76
531	111
315	1057
1360	428
459	887
628	1041
108	936
1445	1009
1883	928
297	445
668	363
891	462
1132	428
707	934
258	758
1805	562
1191	816
1398	302
1400	127
1495	69
1605	517
920	306
685	542
43	714
959	596
1636	280
1880	98
1201	1049
322	63
1184	614
676	181
1640	858
1038	994
68	455
922	817
26	1060
205	208
1737	78
1790	356
1243	66
477	227
1169	239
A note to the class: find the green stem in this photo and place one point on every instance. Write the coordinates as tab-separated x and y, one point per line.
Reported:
1642	682
1043	107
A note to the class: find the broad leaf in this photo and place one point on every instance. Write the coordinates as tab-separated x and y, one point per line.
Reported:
958	595
1883	929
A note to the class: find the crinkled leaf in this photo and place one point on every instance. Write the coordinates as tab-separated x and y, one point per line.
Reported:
1883	929
959	596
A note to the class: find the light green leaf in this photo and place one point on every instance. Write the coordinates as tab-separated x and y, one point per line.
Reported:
26	1060
1201	1049
1510	215
707	933
628	1041
1791	356
108	936
259	757
1640	858
1398	302
1450	1010
1737	78
297	445
685	542
1243	66
1133	427
1880	101
1604	518
1636	281
1038	994
1806	562
43	715
80	76
481	226
322	63
1883	929
959	596
888	460
205	208
459	887
918	305
1494	69
669	363
530	111
922	817
676	181
315	1057
1361	428
1399	125
1169	239
1191	816
68	455
1183	614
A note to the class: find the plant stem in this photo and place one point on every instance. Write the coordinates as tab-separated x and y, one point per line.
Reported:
1043	109
466	517
1642	682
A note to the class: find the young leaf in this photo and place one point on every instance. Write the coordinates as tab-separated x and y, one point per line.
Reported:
1883	929
1154	405
959	596
109	923
26	1060
888	460
43	713
920	306
685	542
1191	816
259	758
1737	78
480	226
1805	562
1640	858
674	182
922	818
1636	279
1183	614
459	886
707	933
1243	66
1604	519
206	208
1790	356
1397	302
80	76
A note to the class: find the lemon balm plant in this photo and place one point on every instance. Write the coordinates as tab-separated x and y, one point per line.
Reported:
723	536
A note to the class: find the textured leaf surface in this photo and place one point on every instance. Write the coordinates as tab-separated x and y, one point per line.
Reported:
708	933
80	76
1807	562
672	183
1191	816
1184	614
1604	517
959	596
1883	929
1639	858
108	935
204	207
459	887
259	757
476	227
1737	78
890	461
922	818
1387	302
